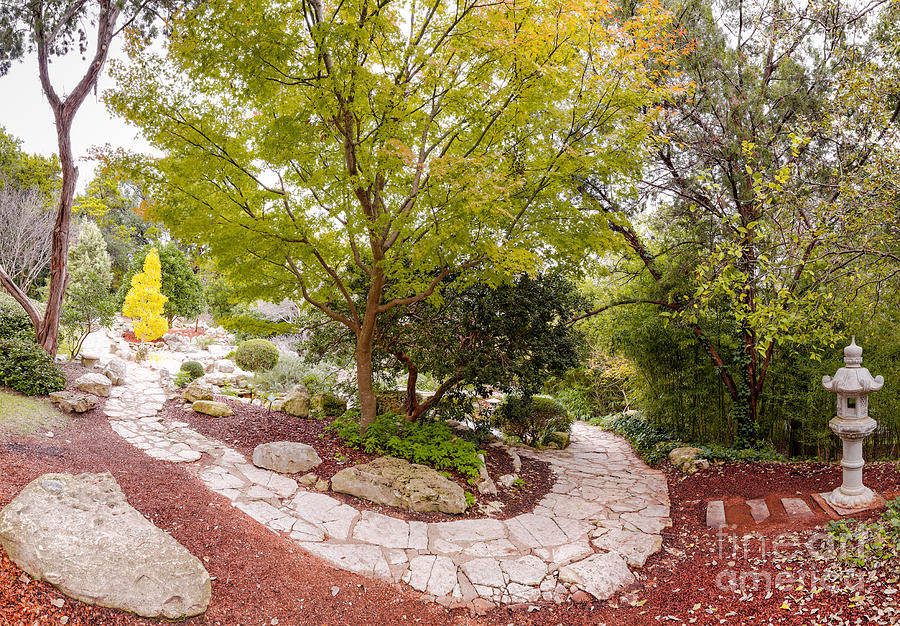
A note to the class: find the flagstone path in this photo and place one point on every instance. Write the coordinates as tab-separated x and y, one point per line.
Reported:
603	517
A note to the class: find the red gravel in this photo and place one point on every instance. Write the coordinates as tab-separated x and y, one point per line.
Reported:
252	425
260	575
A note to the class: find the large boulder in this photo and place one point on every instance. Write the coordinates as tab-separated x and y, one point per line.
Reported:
115	371
296	402
326	405
80	534
198	390
686	460
395	482
97	384
286	457
72	402
212	408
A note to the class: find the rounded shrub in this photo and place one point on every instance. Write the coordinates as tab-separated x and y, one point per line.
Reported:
14	321
531	420
256	355
27	368
193	369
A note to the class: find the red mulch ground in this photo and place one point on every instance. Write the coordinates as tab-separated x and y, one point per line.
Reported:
252	425
261	576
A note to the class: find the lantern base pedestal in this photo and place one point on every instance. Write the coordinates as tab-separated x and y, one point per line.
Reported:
844	504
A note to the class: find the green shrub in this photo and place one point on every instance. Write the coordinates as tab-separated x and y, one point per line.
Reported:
289	371
531	420
27	368
14	321
256	355
653	443
428	443
192	369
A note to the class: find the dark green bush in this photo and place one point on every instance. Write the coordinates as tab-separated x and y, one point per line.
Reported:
428	443
192	369
256	355
27	368
531	420
14	321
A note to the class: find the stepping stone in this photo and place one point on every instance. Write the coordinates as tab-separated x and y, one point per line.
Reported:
759	510
715	514
796	508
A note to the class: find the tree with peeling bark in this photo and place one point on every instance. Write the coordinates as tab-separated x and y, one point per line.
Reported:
53	28
306	143
750	229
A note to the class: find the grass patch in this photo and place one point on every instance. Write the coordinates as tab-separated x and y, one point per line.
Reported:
21	415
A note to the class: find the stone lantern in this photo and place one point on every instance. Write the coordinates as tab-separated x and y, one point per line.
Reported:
852	384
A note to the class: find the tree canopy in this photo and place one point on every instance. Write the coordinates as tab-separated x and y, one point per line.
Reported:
407	142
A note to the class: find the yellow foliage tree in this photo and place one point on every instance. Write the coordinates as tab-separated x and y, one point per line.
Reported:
144	301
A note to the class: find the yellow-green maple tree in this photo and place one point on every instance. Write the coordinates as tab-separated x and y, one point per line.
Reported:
144	301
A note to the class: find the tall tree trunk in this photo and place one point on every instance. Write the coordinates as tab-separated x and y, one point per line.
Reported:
367	401
365	341
47	333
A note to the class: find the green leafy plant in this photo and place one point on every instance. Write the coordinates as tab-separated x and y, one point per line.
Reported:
653	443
531	419
866	544
518	482
27	368
428	443
256	355
470	500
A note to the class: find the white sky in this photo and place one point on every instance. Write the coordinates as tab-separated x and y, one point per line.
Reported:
25	113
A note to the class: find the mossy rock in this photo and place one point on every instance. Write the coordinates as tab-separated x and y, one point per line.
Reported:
326	405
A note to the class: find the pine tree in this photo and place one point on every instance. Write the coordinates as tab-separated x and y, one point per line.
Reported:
88	303
144	302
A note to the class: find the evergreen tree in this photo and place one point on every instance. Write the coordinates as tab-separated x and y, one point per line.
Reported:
180	285
88	304
144	302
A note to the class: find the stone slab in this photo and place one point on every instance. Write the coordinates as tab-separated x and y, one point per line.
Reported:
797	508
715	514
759	510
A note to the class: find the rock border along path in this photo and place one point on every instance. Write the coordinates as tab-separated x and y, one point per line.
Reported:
604	514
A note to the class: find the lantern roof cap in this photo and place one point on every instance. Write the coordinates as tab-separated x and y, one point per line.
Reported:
852	379
853	354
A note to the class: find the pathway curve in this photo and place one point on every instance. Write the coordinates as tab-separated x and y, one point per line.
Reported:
604	514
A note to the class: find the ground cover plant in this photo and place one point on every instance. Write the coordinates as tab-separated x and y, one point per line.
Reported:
428	443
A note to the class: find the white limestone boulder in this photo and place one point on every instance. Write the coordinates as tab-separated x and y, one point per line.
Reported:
80	534
94	383
395	482
198	390
115	371
286	457
296	402
72	402
212	408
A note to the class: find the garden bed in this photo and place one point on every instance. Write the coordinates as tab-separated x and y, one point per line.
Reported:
252	425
